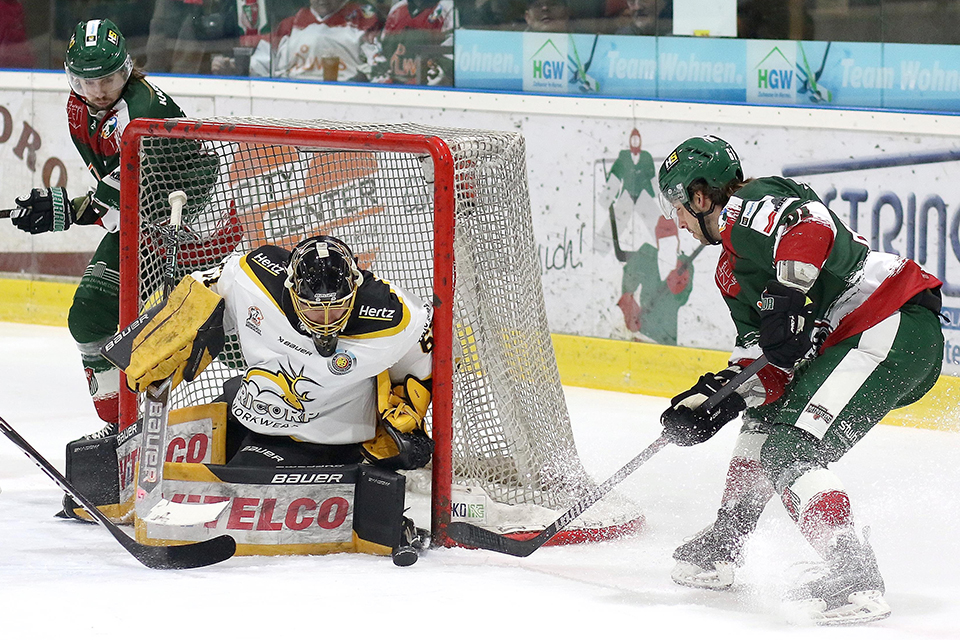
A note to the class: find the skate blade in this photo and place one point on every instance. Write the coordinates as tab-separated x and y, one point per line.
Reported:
688	574
863	607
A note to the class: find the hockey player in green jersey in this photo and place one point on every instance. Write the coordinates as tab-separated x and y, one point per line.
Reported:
107	92
849	334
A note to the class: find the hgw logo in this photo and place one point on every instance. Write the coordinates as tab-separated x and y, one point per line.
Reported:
773	73
546	62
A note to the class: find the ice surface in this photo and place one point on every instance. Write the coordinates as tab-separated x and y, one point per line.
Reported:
71	580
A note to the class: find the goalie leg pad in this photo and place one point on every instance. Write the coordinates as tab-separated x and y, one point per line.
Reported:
378	510
92	468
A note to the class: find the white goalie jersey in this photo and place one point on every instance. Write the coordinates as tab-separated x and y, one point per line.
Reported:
288	388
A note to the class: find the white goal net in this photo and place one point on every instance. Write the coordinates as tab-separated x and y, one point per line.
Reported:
444	213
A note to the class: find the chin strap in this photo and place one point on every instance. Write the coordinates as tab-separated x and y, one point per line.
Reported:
701	219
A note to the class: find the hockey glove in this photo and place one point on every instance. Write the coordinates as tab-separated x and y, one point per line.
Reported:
405	405
392	449
785	324
685	424
401	442
45	210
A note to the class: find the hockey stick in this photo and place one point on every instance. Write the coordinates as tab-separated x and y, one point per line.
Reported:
6	213
745	374
188	556
150	504
474	536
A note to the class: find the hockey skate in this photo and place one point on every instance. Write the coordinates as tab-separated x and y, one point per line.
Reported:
709	559
413	541
847	590
109	429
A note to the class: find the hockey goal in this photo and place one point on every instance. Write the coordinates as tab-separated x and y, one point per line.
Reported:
444	213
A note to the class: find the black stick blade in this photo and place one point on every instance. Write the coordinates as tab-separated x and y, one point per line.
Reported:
471	535
189	556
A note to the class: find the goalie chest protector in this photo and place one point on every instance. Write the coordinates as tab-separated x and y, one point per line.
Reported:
288	388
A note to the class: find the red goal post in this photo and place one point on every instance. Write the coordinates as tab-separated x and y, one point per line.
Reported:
420	206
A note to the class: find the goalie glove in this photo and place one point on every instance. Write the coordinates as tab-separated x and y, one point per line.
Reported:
685	426
179	338
392	449
405	405
401	442
46	210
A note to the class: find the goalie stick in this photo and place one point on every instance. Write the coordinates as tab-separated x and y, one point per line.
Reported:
473	536
150	504
187	556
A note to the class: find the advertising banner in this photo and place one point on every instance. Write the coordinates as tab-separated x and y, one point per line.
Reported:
845	74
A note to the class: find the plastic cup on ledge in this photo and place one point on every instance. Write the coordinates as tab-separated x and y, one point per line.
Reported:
331	68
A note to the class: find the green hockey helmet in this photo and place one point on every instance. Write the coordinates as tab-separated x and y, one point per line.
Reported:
706	158
97	52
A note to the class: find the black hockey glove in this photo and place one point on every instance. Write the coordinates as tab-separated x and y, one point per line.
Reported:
685	424
44	210
786	323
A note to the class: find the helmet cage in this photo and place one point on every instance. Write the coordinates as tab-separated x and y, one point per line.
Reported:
323	276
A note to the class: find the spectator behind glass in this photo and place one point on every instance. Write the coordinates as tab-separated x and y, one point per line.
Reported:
344	29
202	36
491	14
183	31
642	17
417	44
548	16
14	49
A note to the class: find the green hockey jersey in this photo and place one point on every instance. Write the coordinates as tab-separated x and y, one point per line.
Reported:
856	287
97	137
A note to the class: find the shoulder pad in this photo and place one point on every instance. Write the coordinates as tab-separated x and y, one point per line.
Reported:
267	266
378	310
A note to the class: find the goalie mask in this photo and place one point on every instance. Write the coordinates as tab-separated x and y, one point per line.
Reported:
323	278
97	63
